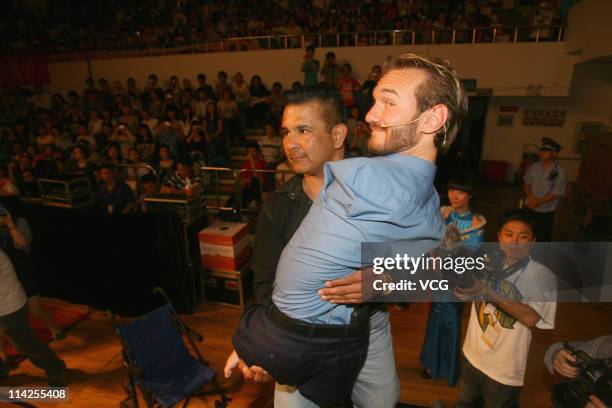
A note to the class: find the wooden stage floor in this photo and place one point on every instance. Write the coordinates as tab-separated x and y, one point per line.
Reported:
96	371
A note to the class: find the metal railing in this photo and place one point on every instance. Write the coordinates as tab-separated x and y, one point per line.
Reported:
476	35
212	187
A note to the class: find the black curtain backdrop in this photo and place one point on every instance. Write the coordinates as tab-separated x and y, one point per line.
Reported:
110	262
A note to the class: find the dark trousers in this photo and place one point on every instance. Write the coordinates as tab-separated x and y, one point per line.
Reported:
17	328
544	225
324	369
477	390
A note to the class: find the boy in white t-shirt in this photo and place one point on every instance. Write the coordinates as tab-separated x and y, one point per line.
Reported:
521	296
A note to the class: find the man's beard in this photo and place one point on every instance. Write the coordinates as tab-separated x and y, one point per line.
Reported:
397	139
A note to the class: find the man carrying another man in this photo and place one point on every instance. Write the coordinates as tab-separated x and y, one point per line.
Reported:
418	109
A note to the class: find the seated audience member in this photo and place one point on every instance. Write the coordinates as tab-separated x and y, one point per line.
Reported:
32	150
113	155
170	134
281	178
124	138
360	138
43	137
103	137
156	105
204	87
187	119
74	121
132	89
330	70
259	102
7	186
151	122
347	85
128	118
221	84
369	85
196	141
149	189
94	156
133	174
229	112
24	163
252	182
270	146
184	180
277	101
63	140
201	105
95	123
354	117
165	163
518	297
83	134
240	89
14	323
561	360
15	240
213	130
114	196
145	145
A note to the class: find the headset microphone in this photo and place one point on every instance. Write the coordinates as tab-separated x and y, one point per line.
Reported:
402	124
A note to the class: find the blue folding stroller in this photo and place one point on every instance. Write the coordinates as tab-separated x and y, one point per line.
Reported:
159	362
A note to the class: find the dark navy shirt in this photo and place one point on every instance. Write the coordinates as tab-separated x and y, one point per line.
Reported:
114	202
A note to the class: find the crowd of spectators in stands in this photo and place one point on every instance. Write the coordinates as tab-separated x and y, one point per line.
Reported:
64	25
174	126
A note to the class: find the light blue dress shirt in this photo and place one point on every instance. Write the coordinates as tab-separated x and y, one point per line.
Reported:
378	199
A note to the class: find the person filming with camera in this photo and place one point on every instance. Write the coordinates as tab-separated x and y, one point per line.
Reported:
518	296
581	363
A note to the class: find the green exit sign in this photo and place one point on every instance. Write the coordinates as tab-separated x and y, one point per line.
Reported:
469	85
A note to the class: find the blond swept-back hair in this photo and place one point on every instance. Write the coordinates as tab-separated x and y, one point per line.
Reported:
442	86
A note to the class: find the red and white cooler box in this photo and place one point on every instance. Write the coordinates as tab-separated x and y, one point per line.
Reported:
225	246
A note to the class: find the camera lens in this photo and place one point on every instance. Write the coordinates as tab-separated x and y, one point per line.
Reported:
571	394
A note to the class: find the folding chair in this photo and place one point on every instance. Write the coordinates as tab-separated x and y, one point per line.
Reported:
159	362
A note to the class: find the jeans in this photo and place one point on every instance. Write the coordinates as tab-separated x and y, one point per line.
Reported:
478	390
377	384
17	328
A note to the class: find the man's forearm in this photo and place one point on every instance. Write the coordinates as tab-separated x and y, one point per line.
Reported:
547	198
520	311
549	357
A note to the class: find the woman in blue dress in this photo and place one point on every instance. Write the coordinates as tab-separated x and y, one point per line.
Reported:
441	348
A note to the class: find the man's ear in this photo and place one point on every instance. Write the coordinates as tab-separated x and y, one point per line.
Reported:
435	119
339	133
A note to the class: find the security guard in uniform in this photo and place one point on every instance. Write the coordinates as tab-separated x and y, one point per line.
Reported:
544	185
